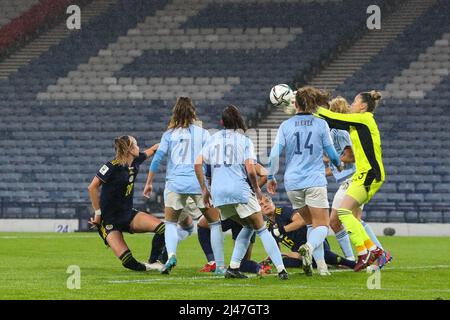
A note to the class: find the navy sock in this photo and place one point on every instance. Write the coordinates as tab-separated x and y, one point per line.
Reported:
292	262
204	237
249	266
163	257
333	259
158	247
345	262
129	262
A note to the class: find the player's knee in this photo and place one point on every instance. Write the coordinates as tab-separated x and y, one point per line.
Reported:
211	214
202	223
189	228
160	228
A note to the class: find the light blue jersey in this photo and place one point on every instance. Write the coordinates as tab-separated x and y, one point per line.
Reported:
304	137
341	141
227	152
182	145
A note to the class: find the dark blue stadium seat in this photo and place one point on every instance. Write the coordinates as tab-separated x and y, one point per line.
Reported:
53	148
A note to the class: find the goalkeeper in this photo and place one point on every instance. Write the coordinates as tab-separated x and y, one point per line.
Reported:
289	229
369	175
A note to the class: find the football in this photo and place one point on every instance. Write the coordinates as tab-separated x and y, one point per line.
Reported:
281	95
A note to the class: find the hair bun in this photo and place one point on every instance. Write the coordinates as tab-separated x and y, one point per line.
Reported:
375	95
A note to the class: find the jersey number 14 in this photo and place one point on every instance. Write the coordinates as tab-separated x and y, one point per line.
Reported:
308	145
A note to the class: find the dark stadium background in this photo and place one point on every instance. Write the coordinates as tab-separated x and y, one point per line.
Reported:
65	94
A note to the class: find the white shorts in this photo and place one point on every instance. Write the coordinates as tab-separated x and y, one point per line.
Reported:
316	197
240	209
178	201
340	194
191	209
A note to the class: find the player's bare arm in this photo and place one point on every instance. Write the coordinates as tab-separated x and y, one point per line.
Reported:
262	174
297	223
250	166
149	184
94	189
151	151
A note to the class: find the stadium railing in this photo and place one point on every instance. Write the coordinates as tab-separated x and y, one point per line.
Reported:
380	212
64	210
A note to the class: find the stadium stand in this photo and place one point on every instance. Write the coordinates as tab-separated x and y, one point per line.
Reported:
11	9
413	71
22	18
121	73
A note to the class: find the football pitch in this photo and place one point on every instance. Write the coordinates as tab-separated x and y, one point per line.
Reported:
35	265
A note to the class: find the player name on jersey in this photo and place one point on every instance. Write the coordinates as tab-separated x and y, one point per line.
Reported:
305	123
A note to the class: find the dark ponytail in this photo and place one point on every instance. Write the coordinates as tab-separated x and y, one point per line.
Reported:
232	119
371	99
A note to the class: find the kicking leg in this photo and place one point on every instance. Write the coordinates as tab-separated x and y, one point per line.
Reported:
144	222
120	249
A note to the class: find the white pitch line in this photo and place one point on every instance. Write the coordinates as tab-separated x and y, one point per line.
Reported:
252	276
195	278
442	266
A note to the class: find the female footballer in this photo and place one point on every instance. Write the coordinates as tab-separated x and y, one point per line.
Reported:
182	143
305	140
111	193
289	229
369	175
235	190
343	145
204	235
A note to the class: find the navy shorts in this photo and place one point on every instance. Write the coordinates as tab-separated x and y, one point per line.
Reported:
122	225
235	228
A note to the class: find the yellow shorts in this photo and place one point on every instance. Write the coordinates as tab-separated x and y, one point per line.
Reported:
363	187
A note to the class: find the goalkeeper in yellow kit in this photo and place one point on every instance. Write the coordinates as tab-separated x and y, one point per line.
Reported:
369	175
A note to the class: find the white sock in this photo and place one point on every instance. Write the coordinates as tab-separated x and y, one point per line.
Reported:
280	268
321	264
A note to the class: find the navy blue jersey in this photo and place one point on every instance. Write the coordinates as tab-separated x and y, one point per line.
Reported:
116	197
294	239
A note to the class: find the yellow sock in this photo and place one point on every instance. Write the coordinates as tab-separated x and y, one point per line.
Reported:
370	245
361	250
352	225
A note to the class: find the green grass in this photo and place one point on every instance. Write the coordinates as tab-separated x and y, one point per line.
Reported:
33	266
